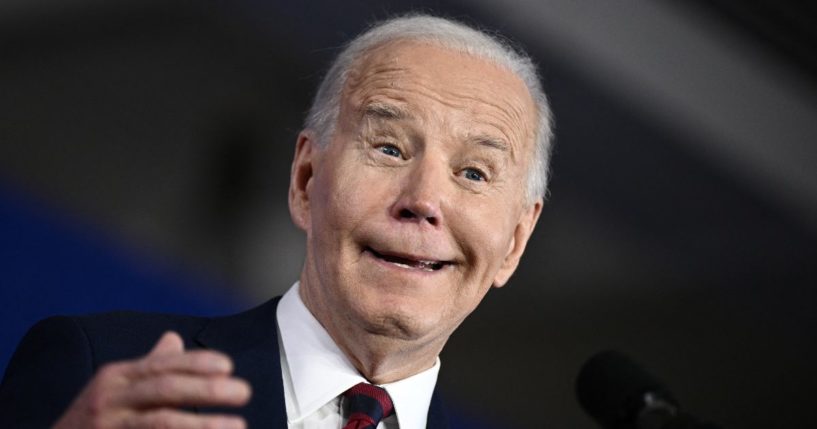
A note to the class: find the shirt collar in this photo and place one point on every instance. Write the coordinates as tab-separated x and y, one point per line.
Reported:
320	372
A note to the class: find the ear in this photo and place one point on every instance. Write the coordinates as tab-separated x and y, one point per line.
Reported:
521	234
300	179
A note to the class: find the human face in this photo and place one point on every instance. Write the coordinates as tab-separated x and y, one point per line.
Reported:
416	206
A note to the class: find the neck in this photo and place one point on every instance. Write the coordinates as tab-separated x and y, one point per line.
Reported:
379	357
382	361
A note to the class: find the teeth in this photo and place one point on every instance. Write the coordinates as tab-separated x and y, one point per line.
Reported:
404	263
429	266
422	265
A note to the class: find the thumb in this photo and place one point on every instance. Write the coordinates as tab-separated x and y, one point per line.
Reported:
170	343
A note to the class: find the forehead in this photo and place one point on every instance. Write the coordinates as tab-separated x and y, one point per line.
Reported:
418	76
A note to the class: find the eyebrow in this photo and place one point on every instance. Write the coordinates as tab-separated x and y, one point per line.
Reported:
492	142
381	110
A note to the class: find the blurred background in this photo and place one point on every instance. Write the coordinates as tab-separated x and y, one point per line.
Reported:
144	162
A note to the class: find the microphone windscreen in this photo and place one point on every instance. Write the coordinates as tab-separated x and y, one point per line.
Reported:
611	388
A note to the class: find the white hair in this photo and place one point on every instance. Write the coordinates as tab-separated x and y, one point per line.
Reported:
323	114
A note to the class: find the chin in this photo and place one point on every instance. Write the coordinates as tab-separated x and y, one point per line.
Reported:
396	324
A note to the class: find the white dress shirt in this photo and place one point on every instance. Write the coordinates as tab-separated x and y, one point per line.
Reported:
316	373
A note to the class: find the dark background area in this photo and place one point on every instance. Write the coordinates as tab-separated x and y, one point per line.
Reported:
144	162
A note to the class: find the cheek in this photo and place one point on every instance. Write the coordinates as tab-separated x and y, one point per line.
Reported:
344	200
485	235
326	215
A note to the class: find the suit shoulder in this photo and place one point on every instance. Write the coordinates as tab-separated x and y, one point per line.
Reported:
121	335
51	363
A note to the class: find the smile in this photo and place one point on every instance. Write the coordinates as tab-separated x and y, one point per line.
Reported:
409	262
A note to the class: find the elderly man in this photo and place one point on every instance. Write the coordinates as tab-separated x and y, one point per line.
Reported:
418	180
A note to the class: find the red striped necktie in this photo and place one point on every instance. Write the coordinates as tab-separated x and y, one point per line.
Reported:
368	405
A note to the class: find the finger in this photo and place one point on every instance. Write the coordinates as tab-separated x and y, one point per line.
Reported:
203	362
183	390
169	418
169	343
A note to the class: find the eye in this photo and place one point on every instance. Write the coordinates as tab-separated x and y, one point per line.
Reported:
391	150
474	174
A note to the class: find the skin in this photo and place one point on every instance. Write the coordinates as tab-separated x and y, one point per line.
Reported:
143	393
428	161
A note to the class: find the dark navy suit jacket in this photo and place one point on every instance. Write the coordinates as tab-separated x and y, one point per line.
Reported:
59	355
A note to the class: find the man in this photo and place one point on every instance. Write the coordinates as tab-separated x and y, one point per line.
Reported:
418	180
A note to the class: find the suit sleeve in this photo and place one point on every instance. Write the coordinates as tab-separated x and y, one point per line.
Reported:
49	368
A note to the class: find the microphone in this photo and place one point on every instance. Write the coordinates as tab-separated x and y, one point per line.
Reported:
619	394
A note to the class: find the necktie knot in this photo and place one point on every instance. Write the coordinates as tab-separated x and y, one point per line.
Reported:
368	405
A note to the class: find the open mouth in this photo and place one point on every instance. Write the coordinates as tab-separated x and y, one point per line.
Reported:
404	262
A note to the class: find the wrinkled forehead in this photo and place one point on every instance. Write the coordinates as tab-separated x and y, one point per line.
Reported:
425	70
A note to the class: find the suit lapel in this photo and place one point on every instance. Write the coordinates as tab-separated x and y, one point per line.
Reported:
251	340
437	418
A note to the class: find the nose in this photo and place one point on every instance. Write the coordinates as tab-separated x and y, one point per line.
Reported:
420	196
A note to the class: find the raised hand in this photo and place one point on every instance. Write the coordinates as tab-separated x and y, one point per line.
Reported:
148	392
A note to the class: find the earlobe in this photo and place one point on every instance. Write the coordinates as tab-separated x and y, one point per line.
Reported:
300	179
521	235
